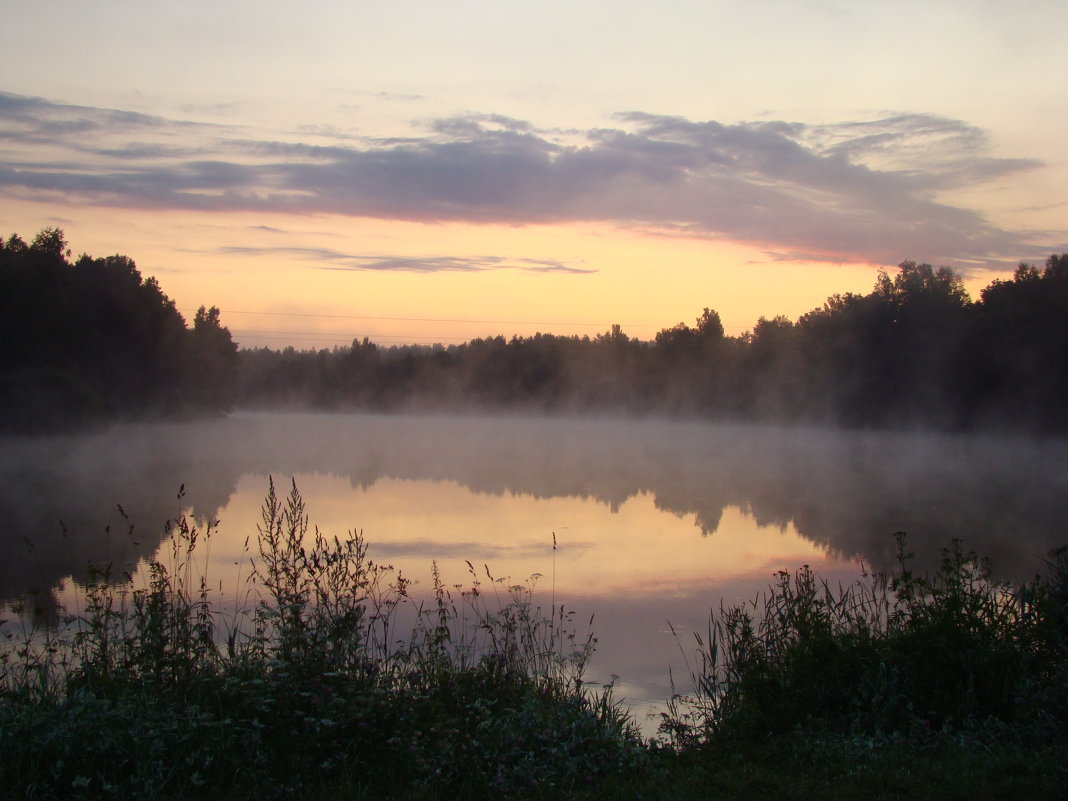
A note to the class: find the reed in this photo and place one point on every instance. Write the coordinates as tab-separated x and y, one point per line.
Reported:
330	680
885	657
156	692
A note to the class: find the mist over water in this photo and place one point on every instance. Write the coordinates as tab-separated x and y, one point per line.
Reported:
655	520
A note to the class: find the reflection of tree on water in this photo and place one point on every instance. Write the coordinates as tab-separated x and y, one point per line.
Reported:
845	491
102	499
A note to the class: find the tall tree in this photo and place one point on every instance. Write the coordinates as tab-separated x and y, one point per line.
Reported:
92	339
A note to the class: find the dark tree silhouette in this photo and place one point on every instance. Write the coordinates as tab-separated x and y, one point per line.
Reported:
915	351
93	340
1023	327
211	362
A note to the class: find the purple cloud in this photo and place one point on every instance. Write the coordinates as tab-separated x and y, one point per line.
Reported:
329	259
853	190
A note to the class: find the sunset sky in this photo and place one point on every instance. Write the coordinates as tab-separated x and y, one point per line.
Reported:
422	171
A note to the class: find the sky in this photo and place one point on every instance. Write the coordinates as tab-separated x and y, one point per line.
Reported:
419	171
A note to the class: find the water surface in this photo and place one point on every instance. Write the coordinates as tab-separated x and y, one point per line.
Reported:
653	521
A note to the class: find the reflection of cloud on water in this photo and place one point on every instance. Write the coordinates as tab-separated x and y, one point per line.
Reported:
472	550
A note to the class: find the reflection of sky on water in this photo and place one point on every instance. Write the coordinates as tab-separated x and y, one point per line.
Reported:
636	549
654	520
844	491
632	566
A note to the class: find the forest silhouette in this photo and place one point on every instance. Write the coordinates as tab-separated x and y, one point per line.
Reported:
916	351
92	340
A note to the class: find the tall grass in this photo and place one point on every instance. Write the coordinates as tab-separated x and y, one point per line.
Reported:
329	679
888	656
154	692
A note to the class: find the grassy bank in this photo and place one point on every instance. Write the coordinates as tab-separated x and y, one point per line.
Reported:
951	685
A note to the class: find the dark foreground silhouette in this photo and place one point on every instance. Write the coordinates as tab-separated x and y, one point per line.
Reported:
909	685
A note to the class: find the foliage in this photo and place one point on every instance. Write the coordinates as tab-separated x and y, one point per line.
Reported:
952	685
154	693
890	658
915	351
92	340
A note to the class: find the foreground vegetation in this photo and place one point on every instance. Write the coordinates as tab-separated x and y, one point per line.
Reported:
330	683
951	686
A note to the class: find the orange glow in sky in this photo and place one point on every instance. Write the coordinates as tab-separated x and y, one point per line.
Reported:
642	281
438	173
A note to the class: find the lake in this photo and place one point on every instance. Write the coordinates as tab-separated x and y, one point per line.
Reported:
654	522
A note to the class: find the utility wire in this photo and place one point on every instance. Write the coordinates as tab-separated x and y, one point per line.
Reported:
324	336
427	319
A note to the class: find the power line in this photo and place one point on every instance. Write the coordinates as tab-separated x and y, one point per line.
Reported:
392	338
323	336
427	319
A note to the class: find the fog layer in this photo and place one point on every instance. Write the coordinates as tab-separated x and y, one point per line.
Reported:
846	491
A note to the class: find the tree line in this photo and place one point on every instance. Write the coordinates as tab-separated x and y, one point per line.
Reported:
90	340
915	351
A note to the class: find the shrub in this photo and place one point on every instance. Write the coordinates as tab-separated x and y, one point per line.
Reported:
151	693
883	657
